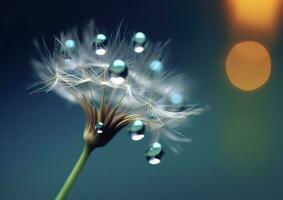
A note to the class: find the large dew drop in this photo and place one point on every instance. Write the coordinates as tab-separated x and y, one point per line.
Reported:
154	153
136	130
118	71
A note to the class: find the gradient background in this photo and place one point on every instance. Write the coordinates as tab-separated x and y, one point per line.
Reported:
236	151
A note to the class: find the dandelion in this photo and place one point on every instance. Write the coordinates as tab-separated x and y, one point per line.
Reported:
119	81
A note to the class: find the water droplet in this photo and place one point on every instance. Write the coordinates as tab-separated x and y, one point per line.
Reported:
100	44
137	130
99	127
139	42
139	38
70	44
156	66
100	38
118	67
118	71
154	153
176	99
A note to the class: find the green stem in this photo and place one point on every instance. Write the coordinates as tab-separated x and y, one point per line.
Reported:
73	175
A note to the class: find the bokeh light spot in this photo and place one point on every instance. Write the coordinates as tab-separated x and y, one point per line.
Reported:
259	14
248	65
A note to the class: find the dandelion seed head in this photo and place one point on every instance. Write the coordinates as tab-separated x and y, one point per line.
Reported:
123	69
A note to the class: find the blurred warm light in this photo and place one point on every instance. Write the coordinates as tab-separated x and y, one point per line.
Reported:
260	16
248	65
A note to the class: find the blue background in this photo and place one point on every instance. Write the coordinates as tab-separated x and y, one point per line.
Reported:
236	151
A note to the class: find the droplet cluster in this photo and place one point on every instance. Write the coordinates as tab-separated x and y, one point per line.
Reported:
124	69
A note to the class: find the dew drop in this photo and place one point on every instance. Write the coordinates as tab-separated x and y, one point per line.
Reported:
176	99
139	42
99	127
70	44
100	38
154	153
156	66
139	38
137	130
100	44
118	71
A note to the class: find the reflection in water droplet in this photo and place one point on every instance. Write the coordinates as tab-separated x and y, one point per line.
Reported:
138	49
154	161
136	136
100	51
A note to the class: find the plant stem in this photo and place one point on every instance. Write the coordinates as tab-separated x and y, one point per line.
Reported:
74	174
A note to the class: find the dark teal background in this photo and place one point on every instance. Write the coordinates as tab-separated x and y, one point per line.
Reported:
236	151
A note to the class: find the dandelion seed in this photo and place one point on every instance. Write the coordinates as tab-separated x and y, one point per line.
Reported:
116	88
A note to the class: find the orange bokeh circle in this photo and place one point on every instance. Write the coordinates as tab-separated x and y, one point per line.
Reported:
248	65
